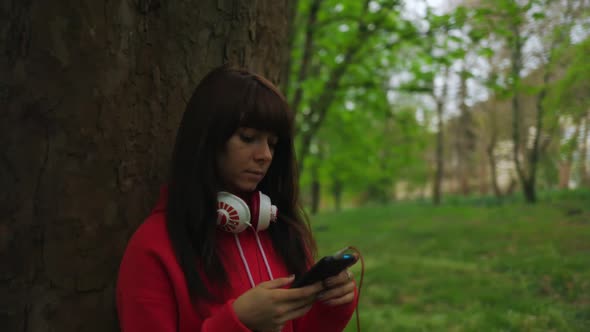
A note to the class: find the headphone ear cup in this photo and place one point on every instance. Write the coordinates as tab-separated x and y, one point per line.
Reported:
233	214
263	212
255	211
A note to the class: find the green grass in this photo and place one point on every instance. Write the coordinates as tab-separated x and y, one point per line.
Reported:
504	267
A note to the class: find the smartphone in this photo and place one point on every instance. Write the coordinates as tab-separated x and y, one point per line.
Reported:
326	267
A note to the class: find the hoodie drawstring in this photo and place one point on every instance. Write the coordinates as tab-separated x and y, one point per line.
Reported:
245	262
264	257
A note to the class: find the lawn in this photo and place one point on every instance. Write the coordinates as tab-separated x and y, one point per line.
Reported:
469	267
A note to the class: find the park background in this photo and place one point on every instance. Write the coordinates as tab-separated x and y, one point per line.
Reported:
447	140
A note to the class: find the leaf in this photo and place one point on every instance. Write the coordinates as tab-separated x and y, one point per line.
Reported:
538	16
486	52
456	39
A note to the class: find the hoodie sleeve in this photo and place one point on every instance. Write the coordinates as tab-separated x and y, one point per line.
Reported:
325	318
146	299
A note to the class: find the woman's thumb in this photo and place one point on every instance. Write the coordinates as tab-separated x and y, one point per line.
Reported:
278	283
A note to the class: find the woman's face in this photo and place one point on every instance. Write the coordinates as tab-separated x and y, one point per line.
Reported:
245	159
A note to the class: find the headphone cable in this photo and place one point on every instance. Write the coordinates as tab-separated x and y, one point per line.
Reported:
360	285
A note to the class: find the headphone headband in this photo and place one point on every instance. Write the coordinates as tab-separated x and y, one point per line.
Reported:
234	215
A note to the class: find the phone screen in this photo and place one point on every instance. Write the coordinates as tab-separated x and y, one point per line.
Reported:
326	267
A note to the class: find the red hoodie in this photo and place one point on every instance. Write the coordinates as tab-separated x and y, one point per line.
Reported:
152	294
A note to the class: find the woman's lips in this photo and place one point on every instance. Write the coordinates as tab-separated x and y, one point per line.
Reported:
255	174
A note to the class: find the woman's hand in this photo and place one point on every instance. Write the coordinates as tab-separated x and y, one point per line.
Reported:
268	306
339	289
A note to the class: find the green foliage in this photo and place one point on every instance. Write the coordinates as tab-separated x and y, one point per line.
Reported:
355	156
378	147
358	129
571	93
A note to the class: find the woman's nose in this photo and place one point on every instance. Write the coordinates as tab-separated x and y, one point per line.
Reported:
264	152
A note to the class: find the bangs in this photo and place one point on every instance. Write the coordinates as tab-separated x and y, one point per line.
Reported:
265	109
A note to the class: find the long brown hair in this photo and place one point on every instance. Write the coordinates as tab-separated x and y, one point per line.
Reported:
228	98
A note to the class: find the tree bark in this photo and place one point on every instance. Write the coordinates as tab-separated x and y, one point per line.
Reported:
465	144
92	93
337	193
436	195
491	148
584	153
292	18
565	166
438	175
516	66
493	170
308	48
484	184
565	169
315	190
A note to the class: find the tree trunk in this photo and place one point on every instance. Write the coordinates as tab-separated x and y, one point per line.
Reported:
565	169
525	172
92	93
483	175
337	193
292	17
530	193
491	148
535	153
458	176
436	195
565	166
584	153
440	105
315	190
464	138
511	186
308	51
516	66
493	170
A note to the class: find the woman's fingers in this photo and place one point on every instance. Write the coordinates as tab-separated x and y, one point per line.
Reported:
269	305
277	283
341	278
298	294
295	312
338	291
346	298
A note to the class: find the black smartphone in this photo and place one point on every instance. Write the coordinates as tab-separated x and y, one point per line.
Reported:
326	267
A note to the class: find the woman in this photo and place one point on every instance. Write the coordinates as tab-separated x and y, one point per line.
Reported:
183	272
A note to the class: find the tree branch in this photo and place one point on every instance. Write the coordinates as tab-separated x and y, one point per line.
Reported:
307	54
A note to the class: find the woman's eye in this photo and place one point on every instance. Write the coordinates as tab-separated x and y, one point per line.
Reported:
247	138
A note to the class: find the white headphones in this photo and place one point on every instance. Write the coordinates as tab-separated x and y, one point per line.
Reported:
234	215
